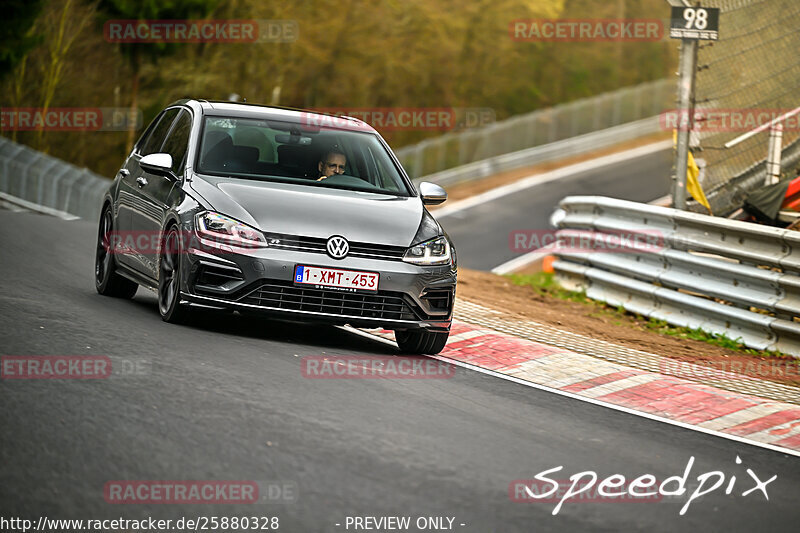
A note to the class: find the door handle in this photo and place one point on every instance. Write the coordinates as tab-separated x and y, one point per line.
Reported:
141	181
124	172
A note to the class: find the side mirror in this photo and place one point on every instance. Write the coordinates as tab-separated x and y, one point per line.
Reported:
431	193
158	164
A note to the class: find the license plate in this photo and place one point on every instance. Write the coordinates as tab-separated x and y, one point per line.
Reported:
335	277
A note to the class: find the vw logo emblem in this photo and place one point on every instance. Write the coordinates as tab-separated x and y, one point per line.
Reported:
337	247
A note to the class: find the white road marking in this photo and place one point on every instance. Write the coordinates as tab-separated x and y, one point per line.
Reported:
25	205
699	429
520	262
546	177
619	385
743	415
785	431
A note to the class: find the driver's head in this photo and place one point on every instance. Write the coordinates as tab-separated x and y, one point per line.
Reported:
333	163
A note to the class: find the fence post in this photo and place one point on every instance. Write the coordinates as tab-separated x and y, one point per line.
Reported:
685	109
774	154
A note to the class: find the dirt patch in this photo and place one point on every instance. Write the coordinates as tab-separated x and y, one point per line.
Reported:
465	190
596	321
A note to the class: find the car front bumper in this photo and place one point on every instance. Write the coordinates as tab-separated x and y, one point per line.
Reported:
262	280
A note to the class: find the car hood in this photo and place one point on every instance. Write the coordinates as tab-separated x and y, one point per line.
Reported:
313	211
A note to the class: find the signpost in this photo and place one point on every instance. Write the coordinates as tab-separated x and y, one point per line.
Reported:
689	24
694	23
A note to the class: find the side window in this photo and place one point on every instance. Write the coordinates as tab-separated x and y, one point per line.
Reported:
148	133
152	144
177	143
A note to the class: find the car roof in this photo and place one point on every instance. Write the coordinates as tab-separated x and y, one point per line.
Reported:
244	110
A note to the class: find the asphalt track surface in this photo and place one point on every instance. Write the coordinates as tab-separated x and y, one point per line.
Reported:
224	399
481	233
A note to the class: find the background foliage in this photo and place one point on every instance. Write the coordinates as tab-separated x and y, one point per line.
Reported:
350	53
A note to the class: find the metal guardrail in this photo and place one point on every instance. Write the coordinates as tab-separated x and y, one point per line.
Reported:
48	181
723	276
541	127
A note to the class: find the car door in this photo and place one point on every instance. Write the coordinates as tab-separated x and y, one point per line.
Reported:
127	193
159	193
133	200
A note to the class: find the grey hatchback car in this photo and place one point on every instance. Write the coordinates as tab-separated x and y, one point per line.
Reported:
277	212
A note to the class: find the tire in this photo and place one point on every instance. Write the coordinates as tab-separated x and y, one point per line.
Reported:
107	280
169	280
421	342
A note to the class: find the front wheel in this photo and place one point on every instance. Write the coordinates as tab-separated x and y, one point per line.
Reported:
106	279
420	341
169	280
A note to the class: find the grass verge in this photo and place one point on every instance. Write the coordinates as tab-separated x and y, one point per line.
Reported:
544	284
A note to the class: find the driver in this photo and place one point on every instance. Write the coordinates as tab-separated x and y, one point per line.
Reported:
333	163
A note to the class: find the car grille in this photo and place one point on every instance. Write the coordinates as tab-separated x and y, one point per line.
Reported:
284	295
317	245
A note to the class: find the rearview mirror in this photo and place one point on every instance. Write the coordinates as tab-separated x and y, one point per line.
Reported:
431	193
285	138
158	164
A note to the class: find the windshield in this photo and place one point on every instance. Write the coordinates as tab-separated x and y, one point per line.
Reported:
292	152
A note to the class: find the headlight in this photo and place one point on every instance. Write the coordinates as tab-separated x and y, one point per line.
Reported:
220	228
433	252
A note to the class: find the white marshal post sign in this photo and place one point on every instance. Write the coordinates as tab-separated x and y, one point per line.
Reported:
689	24
694	23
